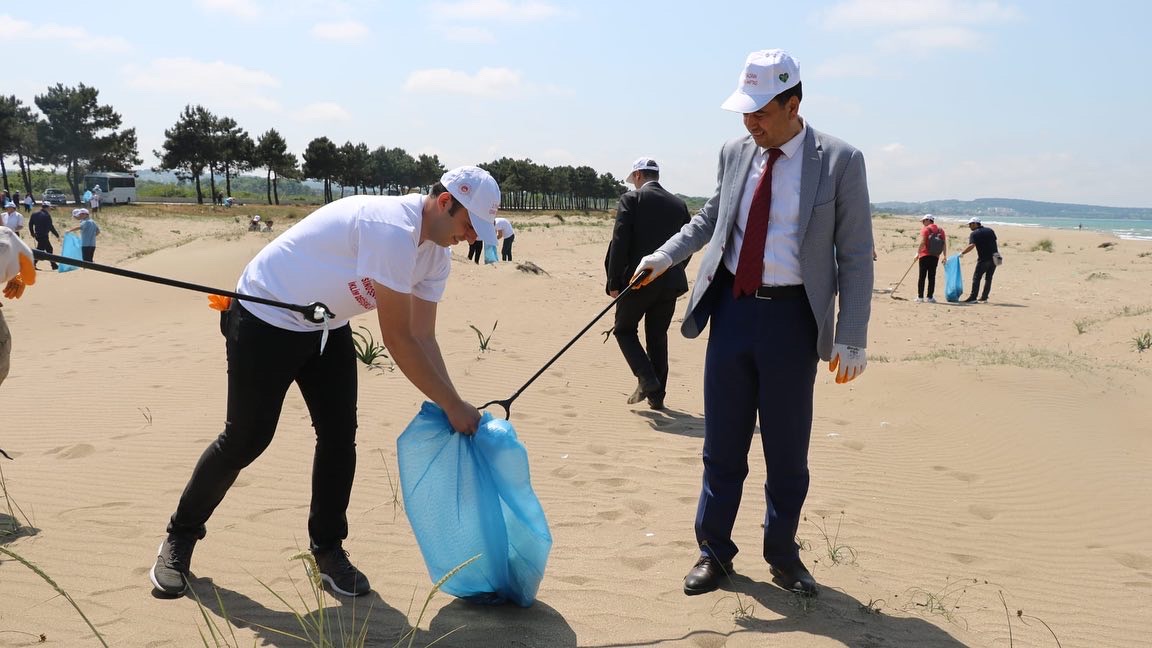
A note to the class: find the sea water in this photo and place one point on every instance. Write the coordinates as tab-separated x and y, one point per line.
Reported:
1125	228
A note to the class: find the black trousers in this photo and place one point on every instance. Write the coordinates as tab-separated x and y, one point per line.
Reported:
44	244
506	250
87	252
263	362
649	366
984	268
476	251
927	272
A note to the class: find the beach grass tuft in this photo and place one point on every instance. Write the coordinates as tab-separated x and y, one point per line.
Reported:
1043	245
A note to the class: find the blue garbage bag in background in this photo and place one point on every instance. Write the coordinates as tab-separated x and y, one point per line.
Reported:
472	495
490	255
953	280
70	249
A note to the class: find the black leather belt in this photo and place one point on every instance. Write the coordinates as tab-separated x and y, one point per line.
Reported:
780	292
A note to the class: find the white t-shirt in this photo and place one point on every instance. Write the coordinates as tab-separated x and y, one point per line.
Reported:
335	254
13	221
504	228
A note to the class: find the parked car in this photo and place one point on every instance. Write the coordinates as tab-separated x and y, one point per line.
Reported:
56	196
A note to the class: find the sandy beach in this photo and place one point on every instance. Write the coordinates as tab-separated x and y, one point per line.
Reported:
992	459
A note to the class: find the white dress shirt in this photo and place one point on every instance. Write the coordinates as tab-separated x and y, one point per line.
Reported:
782	248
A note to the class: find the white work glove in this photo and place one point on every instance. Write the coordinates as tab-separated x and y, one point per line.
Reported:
17	265
848	362
657	262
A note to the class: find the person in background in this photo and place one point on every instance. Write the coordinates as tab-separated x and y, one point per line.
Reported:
40	226
504	231
97	197
88	231
355	255
17	270
28	203
927	258
12	219
788	230
645	218
983	239
476	251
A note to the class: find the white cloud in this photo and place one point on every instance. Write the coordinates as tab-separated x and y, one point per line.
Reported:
217	82
930	38
487	82
345	30
530	10
77	38
323	111
469	35
854	14
247	9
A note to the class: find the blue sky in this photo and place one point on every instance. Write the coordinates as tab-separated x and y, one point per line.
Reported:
1042	100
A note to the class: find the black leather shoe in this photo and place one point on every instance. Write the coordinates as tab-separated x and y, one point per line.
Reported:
795	577
637	395
705	576
656	402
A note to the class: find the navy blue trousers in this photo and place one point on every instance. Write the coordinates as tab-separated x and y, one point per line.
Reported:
761	362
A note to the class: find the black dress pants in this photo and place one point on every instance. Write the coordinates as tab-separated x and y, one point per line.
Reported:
656	309
263	362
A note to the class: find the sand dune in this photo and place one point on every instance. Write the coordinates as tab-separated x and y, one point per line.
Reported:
989	449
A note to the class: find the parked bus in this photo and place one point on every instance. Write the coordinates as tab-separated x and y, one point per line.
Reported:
116	188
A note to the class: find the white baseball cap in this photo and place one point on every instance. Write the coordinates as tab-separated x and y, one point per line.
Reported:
974	219
77	213
766	74
928	217
644	164
477	190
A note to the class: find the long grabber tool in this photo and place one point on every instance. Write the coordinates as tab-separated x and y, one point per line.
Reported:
315	312
507	402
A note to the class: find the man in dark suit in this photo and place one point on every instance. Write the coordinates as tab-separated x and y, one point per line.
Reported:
779	253
645	218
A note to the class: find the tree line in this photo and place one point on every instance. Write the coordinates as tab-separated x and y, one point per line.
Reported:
75	132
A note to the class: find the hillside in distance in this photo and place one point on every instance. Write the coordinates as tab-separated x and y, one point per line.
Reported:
990	207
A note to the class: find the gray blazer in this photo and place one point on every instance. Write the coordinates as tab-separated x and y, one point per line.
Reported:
835	237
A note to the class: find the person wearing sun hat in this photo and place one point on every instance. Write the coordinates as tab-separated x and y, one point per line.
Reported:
88	230
786	281
354	255
11	218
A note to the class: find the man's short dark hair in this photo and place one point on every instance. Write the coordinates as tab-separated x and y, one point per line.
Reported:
795	91
648	174
438	189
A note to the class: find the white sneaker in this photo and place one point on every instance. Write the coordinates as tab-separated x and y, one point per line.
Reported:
919	299
931	300
981	301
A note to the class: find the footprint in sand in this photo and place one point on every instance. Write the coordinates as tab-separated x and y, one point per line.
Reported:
77	451
610	516
855	445
964	559
598	448
983	512
963	476
1134	560
639	564
564	472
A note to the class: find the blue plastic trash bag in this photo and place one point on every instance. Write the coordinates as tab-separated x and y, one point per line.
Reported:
471	495
490	255
71	249
953	280
87	197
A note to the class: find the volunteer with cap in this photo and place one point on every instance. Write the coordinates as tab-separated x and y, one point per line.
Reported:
505	233
928	259
645	218
88	230
987	254
17	270
40	225
788	229
357	254
11	218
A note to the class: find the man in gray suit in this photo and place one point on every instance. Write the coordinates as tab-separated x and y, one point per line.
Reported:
779	252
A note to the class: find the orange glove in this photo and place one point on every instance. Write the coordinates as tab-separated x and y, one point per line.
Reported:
219	302
17	265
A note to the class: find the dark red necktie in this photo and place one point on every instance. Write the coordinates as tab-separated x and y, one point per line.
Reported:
750	268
